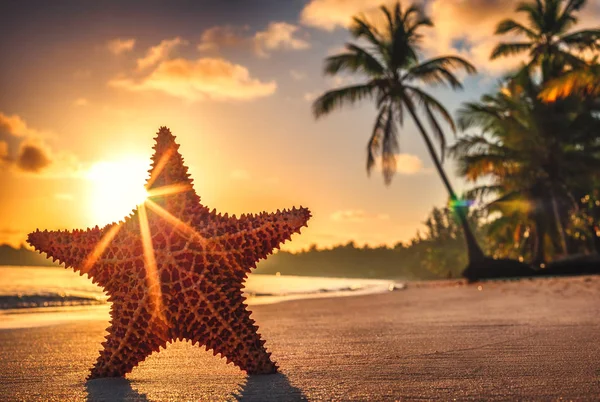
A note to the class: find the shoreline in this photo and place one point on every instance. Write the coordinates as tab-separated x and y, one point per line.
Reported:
536	339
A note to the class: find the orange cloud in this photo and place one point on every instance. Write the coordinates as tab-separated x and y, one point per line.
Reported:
23	148
463	27
201	79
222	36
277	36
3	150
406	164
15	126
32	157
331	14
160	52
118	46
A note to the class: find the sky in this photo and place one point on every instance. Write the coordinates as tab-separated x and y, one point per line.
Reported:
86	85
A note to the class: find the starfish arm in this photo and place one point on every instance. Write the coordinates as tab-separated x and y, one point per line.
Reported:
258	235
170	185
79	249
223	324
135	332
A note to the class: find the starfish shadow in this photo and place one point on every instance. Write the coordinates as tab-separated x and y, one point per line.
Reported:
272	387
112	389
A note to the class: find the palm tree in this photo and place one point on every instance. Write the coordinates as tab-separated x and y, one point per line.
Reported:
584	84
549	41
393	72
534	157
583	81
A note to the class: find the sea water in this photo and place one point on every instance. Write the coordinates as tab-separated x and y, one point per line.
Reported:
40	290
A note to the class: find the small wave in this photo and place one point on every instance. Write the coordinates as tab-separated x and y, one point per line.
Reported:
17	301
342	289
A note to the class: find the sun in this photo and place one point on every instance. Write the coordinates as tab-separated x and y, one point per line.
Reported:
118	188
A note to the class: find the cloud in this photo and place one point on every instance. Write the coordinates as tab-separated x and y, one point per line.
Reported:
356	215
33	158
15	126
201	79
81	102
297	75
408	164
464	28
118	46
467	29
3	152
222	36
160	52
331	14
277	36
24	149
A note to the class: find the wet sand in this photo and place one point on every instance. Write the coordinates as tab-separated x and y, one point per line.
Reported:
530	340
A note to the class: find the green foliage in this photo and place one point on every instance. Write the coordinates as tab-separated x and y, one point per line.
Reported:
551	44
532	148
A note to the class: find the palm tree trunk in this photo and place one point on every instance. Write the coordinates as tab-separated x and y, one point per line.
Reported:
539	256
474	251
559	226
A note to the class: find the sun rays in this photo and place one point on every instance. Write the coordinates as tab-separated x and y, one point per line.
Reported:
176	222
99	249
152	280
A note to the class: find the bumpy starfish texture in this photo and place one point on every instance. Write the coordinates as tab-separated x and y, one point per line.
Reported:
173	270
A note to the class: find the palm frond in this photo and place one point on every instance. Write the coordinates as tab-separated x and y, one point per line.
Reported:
427	100
361	28
389	18
437	71
437	131
509	25
566	18
475	166
479	193
470	144
337	98
509	49
389	148
584	82
374	144
356	60
583	40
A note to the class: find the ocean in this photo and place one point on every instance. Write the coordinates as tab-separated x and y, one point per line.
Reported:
42	290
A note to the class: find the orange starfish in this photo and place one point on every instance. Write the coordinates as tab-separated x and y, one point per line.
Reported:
174	270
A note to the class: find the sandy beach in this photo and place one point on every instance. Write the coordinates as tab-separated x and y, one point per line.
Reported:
510	340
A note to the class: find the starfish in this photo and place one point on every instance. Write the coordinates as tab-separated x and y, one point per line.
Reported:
174	270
